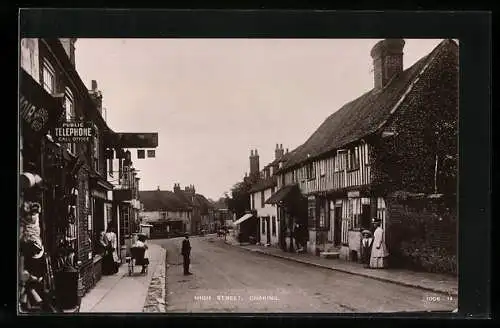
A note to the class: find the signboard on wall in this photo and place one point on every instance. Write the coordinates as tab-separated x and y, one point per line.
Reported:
73	132
353	194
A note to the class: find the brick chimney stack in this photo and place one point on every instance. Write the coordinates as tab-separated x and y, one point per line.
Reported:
177	187
96	96
387	60
279	151
254	162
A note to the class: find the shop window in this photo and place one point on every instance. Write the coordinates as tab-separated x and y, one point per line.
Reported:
48	77
323	216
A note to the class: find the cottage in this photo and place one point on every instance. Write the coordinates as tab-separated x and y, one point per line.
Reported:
399	136
174	212
265	185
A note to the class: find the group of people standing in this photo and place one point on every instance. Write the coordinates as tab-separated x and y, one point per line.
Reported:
374	251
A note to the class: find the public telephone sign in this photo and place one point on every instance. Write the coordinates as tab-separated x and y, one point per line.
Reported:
73	132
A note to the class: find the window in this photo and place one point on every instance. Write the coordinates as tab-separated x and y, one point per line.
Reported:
311	171
96	150
48	77
253	201
164	215
70	115
263	220
323	215
353	159
293	176
262	200
340	160
311	212
273	226
322	168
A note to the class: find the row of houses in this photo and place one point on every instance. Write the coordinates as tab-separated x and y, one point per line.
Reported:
173	213
389	154
83	185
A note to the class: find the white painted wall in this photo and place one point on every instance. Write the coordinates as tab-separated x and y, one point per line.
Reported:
266	210
30	57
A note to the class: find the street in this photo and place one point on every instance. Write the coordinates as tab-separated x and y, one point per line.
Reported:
228	279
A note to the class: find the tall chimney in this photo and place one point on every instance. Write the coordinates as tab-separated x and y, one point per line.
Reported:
254	162
278	152
96	96
387	60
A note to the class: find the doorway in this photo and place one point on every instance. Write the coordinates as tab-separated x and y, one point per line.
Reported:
268	229
337	225
365	216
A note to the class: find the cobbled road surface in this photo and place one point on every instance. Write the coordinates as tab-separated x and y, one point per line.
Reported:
229	279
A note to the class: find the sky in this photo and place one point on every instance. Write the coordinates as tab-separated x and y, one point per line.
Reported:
213	100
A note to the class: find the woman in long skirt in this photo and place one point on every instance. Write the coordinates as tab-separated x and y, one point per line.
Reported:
378	258
111	260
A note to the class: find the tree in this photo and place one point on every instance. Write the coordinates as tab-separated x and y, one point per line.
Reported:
239	202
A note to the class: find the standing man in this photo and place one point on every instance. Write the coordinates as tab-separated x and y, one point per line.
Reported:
186	253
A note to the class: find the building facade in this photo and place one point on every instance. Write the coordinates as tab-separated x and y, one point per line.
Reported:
173	213
73	175
265	186
401	136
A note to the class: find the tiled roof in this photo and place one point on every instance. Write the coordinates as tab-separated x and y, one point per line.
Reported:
157	200
264	184
364	115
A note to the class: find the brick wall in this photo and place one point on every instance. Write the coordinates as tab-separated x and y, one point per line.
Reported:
84	245
422	234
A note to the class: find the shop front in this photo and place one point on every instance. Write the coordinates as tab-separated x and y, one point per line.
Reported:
48	236
292	216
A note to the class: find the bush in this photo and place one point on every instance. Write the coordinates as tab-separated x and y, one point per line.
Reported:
420	255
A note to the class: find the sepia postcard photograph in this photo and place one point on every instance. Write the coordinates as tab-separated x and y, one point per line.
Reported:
238	175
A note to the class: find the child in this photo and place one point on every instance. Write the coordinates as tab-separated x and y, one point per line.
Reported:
366	245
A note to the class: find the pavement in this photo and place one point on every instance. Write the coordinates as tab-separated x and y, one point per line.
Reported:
439	283
137	293
233	279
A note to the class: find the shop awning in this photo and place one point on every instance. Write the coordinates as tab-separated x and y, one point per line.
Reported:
283	194
243	218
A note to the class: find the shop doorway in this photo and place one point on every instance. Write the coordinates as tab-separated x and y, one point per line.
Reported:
337	230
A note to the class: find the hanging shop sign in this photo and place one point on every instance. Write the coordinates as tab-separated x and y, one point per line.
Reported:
73	132
133	140
38	110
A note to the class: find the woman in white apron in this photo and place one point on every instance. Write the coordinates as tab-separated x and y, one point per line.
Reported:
378	258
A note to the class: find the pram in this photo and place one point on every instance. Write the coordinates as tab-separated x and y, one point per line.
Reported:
137	258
